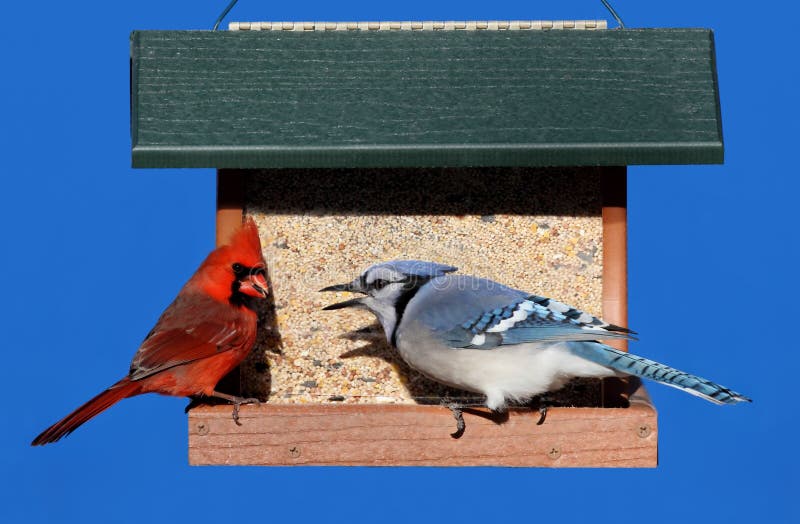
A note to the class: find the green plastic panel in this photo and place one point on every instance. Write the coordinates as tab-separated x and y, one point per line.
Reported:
276	99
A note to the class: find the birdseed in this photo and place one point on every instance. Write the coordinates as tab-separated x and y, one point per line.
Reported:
539	230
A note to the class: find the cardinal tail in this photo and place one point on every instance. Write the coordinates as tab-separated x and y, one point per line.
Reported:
122	389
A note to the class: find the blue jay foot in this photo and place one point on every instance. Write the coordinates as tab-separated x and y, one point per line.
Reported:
458	413
541	404
542	414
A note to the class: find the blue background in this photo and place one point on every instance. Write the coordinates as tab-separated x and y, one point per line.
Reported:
93	251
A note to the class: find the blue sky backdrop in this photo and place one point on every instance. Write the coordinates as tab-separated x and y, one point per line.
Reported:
94	250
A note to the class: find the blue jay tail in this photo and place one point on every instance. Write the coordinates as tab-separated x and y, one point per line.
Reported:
642	367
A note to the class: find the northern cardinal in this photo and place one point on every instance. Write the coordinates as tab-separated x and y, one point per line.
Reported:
207	331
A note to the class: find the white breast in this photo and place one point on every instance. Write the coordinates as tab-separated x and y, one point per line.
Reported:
513	372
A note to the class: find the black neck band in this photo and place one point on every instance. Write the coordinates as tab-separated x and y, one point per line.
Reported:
410	288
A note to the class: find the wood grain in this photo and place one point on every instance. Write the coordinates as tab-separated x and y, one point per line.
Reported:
277	99
396	435
230	203
615	248
614	195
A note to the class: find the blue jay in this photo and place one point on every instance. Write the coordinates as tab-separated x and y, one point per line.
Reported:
481	336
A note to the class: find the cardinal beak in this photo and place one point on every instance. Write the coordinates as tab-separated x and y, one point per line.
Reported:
255	284
353	287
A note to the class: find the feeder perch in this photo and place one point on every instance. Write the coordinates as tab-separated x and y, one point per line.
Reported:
497	147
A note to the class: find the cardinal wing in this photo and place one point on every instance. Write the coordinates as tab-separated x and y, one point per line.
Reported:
186	333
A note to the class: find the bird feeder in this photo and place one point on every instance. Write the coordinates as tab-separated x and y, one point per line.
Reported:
497	147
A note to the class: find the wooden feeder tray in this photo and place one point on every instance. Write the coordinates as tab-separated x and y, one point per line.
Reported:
399	435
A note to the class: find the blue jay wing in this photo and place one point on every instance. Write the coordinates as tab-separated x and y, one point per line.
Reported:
531	319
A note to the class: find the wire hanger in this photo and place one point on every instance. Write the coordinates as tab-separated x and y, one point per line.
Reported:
232	3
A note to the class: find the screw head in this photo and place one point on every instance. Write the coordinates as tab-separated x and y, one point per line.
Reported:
643	431
294	452
202	428
554	452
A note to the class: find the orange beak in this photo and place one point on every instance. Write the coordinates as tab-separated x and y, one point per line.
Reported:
255	285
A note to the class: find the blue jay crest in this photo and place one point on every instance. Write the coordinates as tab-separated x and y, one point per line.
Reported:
419	268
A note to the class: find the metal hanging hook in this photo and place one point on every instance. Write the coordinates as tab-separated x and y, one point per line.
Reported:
614	14
233	3
224	14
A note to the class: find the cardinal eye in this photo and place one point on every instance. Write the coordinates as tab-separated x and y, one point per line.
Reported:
237	268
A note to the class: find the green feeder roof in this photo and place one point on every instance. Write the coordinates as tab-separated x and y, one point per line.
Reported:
361	98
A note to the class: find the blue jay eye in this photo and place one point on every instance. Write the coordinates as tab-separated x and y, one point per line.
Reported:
379	284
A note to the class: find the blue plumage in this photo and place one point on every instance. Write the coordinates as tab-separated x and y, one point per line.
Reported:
481	336
418	268
642	367
532	319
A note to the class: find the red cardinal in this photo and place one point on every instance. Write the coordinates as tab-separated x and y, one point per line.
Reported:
205	333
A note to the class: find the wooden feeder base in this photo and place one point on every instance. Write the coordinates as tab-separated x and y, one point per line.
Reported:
416	435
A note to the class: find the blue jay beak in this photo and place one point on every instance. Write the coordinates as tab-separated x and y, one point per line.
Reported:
341	287
353	302
352	287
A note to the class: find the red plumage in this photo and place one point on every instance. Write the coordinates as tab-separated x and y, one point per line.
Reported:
207	331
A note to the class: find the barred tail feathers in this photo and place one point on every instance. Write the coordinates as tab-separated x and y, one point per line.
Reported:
650	369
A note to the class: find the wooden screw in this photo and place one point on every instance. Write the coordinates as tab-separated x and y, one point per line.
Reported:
554	452
202	429
294	452
643	431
